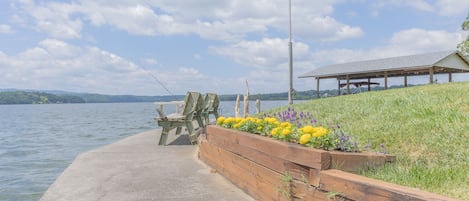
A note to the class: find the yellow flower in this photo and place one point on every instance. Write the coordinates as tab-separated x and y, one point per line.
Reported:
220	120
320	131
229	120
259	128
286	131
304	139
308	129
274	132
285	124
238	119
236	125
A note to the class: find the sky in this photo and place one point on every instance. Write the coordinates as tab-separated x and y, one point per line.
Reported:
158	47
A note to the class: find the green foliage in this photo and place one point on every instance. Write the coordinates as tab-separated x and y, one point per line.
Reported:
21	97
463	47
426	127
285	186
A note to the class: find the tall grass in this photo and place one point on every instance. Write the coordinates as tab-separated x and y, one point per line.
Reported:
426	127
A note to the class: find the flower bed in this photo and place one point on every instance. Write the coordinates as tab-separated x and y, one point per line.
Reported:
295	127
290	156
268	169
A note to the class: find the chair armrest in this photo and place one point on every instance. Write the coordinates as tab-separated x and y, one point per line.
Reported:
161	113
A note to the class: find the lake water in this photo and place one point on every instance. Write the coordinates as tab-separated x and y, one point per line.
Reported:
37	142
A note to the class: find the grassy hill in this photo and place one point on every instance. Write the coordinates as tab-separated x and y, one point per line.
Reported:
426	127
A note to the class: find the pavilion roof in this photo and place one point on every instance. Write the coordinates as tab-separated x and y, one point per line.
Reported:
441	62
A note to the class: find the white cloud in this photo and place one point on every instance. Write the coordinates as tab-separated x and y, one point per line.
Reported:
267	53
226	20
452	7
150	61
55	64
5	28
269	61
326	29
416	4
405	42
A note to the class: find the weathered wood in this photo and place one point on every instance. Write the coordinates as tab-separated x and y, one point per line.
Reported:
430	72
295	153
385	80
258	181
259	166
354	162
178	121
304	192
357	187
317	87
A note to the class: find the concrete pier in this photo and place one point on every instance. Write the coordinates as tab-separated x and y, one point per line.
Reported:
136	168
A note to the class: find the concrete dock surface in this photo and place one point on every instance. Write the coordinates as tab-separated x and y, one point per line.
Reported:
136	168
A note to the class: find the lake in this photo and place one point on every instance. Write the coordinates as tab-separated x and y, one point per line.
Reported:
37	142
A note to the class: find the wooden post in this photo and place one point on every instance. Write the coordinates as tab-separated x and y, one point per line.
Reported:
258	106
431	75
317	87
405	80
237	105
385	80
338	87
246	101
369	86
348	84
450	77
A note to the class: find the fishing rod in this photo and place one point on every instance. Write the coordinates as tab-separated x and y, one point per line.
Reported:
157	80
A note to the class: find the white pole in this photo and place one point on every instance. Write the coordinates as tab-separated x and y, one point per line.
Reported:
290	46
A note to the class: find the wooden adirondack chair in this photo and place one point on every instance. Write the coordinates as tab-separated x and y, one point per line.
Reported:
185	119
199	107
211	106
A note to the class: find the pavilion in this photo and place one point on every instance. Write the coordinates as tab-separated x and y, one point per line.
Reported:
447	62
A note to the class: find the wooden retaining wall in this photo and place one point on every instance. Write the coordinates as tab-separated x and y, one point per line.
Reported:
273	170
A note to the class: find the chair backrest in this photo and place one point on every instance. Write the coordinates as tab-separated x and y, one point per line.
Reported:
213	102
188	104
198	102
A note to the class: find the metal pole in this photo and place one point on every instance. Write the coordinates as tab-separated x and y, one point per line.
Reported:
290	46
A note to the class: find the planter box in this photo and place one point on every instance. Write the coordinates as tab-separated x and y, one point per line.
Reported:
269	169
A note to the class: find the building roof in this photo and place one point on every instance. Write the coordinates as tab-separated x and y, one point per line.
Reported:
442	62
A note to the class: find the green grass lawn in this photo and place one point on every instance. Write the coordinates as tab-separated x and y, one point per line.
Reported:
426	127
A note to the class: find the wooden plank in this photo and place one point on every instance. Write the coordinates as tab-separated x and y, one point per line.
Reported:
357	187
304	192
354	162
298	172
313	158
314	177
258	181
269	161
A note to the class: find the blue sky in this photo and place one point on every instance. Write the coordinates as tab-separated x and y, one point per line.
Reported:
120	46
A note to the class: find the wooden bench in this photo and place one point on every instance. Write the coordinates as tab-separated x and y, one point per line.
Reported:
179	120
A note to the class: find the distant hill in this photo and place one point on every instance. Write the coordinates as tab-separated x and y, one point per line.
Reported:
26	96
23	97
14	96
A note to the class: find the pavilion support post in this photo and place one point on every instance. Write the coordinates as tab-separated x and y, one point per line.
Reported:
348	84
317	87
430	71
369	85
450	77
405	80
385	80
338	86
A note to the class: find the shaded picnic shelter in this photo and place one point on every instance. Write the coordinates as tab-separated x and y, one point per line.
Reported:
447	62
